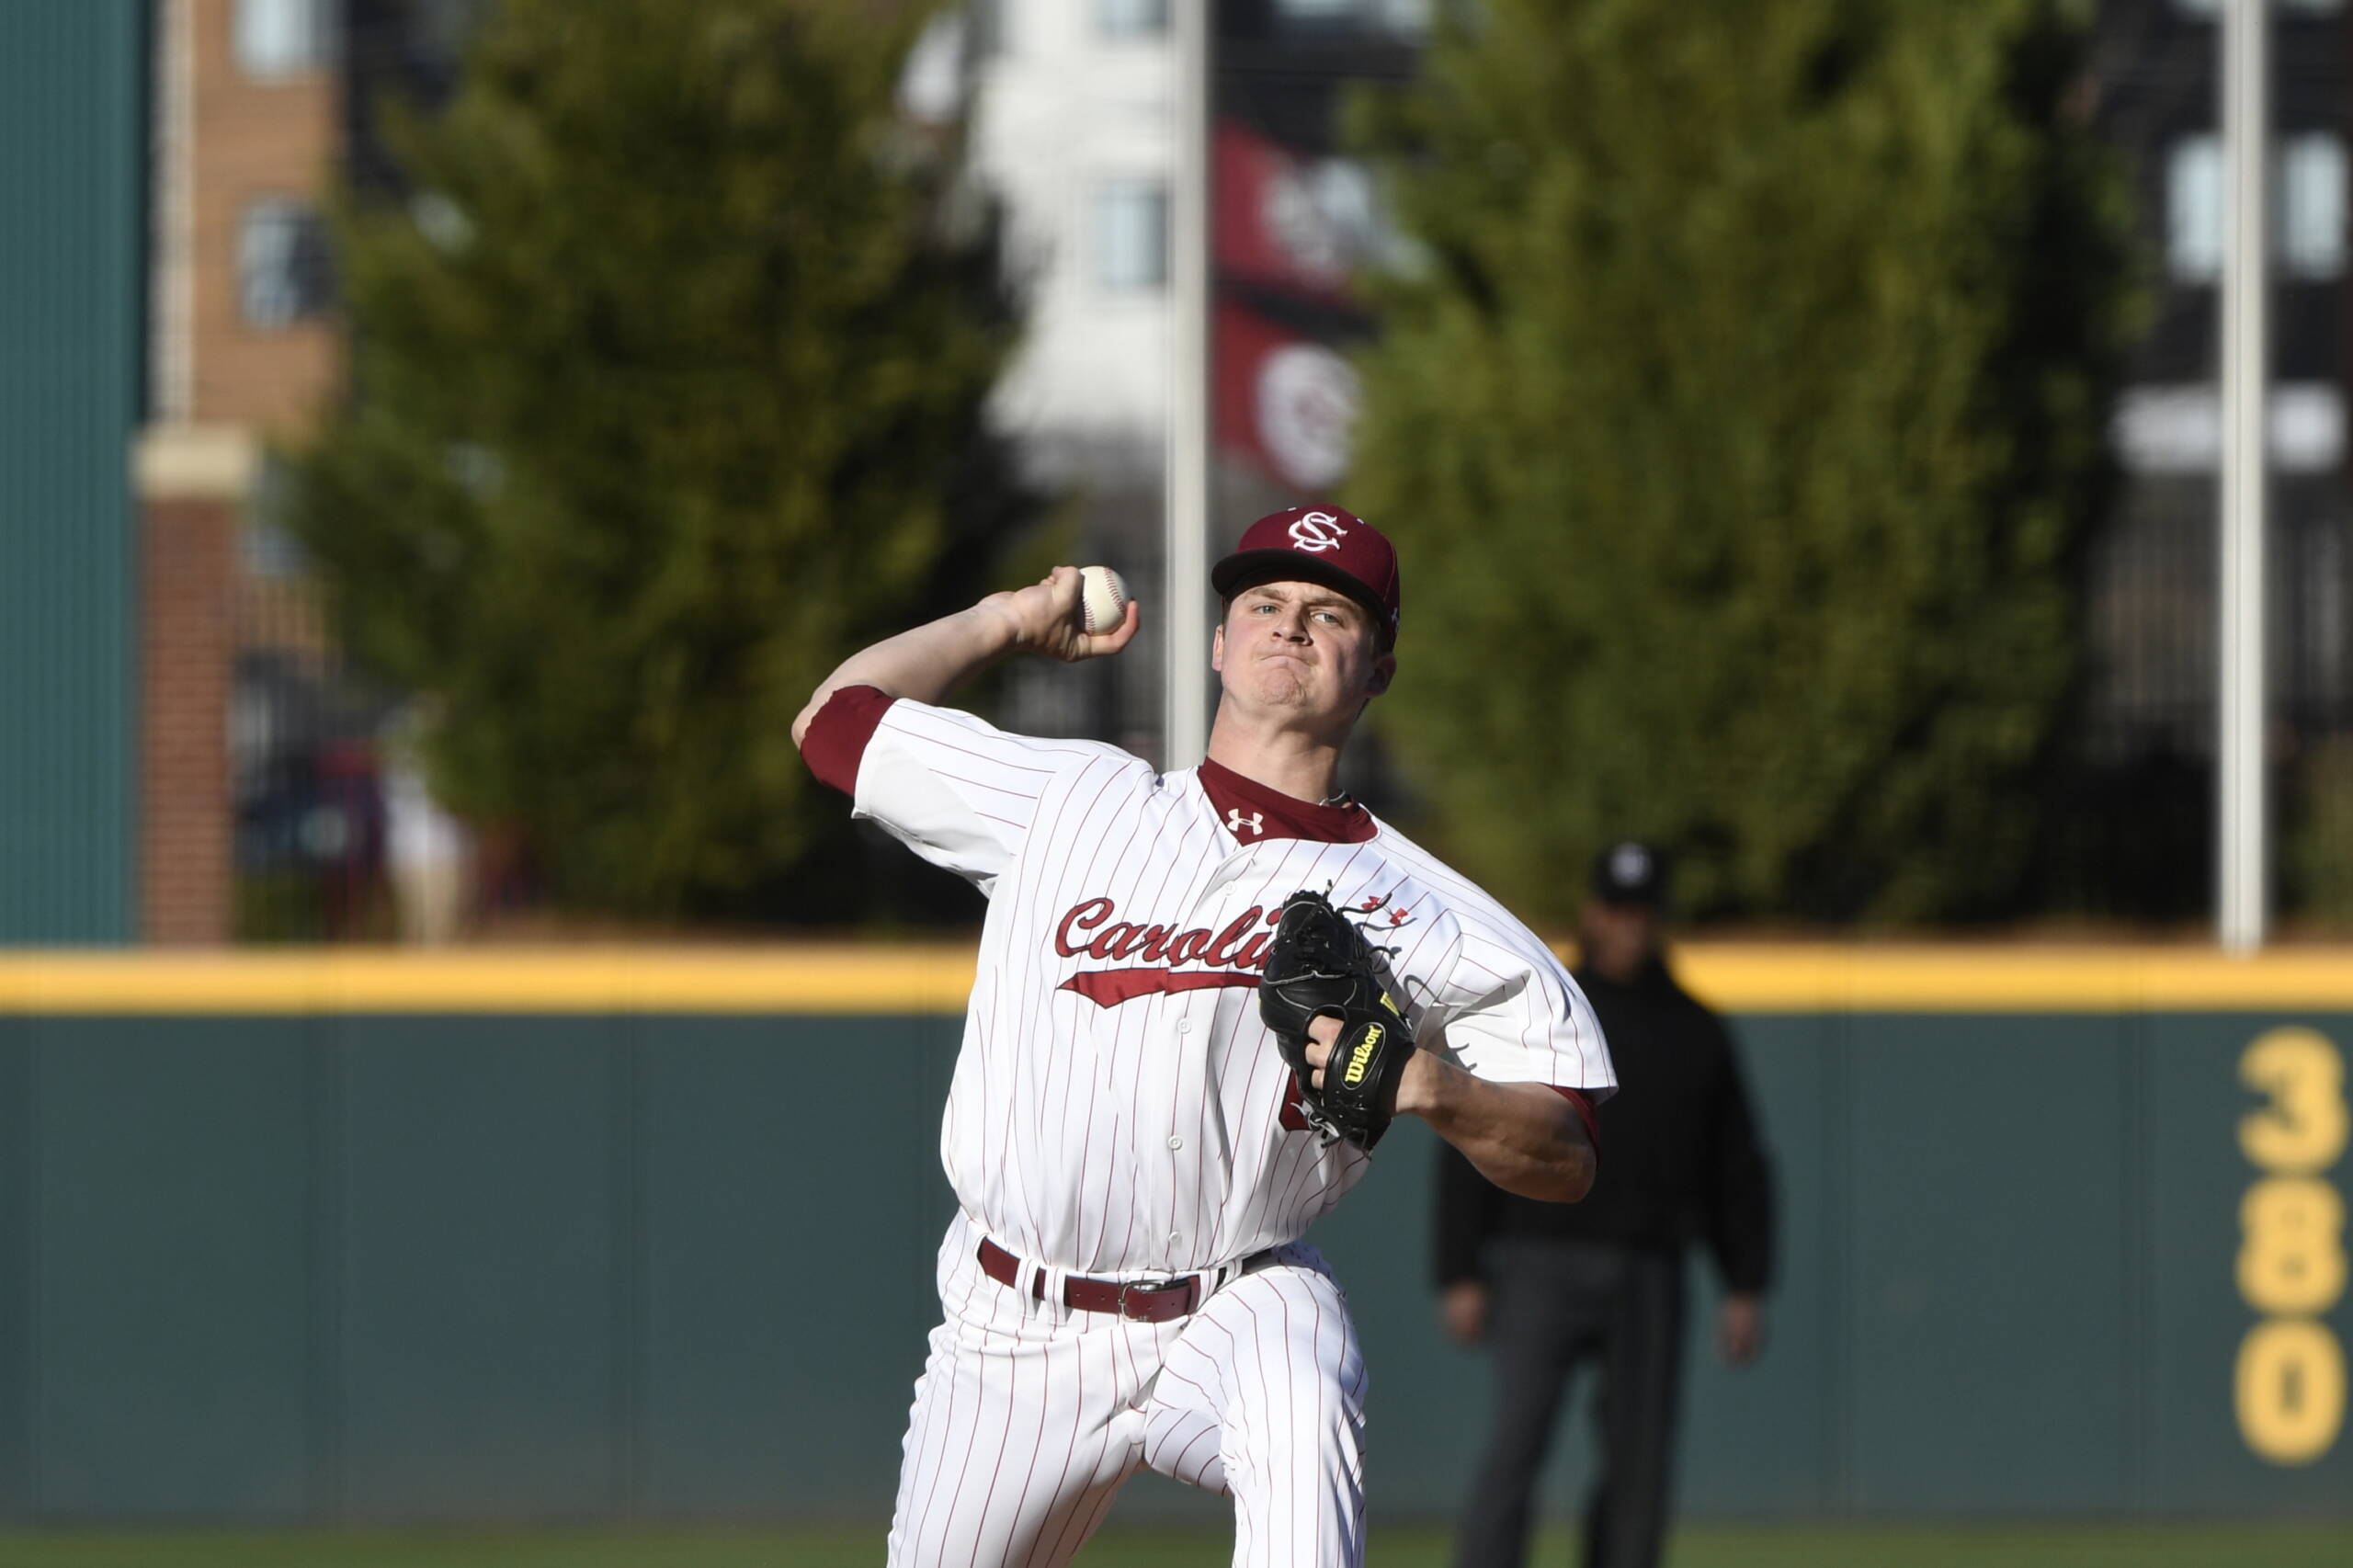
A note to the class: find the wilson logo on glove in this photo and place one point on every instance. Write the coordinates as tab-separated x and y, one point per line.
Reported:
1362	1056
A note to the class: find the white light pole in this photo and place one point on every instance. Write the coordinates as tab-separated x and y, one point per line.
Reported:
2242	806
1184	611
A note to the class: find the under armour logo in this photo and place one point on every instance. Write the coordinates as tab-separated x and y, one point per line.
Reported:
1317	532
1235	822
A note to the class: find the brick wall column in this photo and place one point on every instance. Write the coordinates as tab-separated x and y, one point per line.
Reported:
192	485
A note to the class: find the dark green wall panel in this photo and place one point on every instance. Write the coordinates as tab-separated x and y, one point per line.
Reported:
509	1268
1763	1440
71	138
482	1297
2197	1178
1425	1394
793	1204
1989	1264
174	1236
20	1179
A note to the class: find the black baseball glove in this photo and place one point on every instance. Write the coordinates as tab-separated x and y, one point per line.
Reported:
1319	964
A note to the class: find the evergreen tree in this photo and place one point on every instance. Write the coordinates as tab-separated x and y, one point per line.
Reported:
669	369
1741	429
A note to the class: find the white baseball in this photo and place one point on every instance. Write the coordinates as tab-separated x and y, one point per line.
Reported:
1102	598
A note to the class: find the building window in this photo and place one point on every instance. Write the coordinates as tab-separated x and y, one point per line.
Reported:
1318	10
1132	235
2311	205
283	38
270	548
2307	208
281	263
1130	18
1410	18
2194	209
2210	9
985	28
931	83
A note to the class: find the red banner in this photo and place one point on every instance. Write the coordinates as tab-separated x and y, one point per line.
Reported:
1284	221
1285	401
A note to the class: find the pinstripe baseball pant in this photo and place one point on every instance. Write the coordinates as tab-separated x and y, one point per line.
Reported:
1029	1414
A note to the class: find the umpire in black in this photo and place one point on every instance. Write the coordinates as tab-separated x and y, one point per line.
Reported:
1546	1285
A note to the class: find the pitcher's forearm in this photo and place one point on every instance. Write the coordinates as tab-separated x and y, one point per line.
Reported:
925	664
933	659
1523	1137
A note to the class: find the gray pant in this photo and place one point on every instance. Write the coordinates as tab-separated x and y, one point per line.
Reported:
1555	1304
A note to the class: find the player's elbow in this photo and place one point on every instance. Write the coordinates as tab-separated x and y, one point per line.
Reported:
1565	1162
807	717
1547	1180
1568	1164
802	721
1576	1171
1562	1174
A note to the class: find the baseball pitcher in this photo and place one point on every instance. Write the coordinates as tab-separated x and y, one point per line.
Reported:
1202	997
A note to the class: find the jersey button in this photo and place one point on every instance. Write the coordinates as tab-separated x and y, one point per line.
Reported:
1175	1142
1184	1026
1174	1238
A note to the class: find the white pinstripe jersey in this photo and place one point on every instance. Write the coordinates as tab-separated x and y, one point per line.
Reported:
1117	1105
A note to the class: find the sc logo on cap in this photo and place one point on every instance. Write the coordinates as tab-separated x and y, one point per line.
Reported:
1317	532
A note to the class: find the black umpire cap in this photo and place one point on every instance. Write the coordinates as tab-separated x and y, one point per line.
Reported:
1631	873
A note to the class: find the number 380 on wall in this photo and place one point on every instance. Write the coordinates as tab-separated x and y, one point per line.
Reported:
2290	1389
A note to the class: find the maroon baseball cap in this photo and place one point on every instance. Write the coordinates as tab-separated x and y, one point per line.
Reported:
1317	544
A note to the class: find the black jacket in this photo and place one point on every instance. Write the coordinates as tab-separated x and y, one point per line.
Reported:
1680	1157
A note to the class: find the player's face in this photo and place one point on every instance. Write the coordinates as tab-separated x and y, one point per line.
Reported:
1302	648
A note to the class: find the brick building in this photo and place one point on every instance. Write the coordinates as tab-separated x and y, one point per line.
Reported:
245	103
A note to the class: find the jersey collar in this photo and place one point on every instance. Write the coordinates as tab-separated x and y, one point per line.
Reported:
1253	812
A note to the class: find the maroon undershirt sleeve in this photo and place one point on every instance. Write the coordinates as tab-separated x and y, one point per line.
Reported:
835	740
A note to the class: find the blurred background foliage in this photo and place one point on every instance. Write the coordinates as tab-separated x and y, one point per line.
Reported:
1743	425
1739	381
670	341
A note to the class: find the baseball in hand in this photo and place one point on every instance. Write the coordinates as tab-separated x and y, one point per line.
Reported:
1102	598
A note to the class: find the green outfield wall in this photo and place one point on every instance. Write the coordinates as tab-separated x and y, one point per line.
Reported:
73	145
373	1239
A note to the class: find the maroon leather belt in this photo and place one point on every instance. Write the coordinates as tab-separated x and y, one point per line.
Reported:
1145	1300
